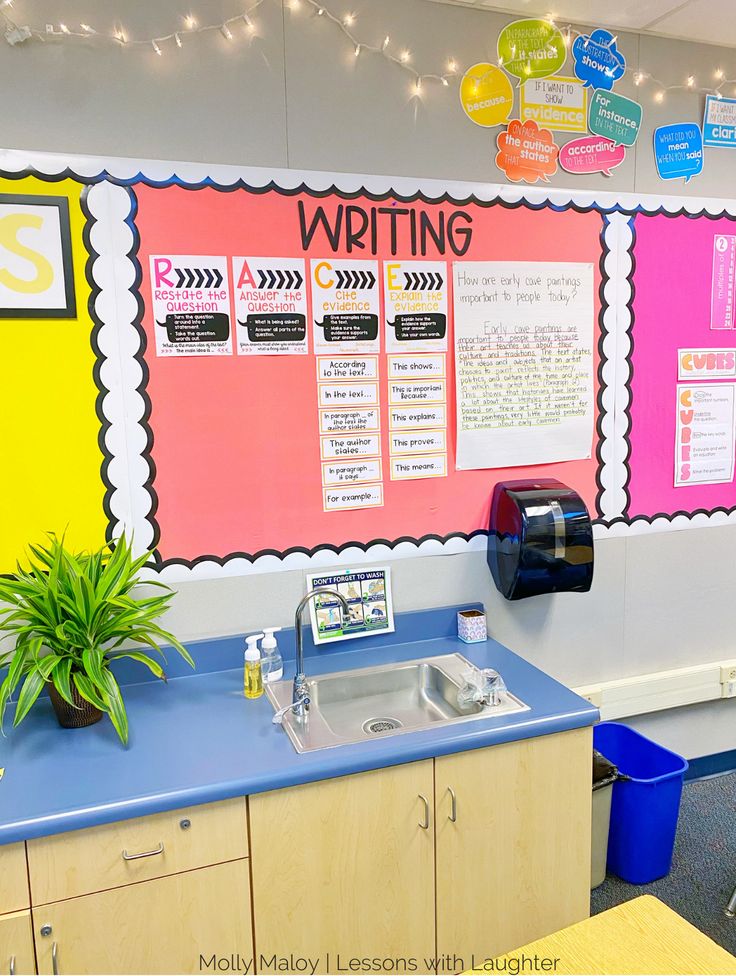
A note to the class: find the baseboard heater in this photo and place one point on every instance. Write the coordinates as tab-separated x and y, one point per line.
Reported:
655	692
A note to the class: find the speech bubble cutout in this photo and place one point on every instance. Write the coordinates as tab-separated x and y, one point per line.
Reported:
419	326
531	49
591	154
526	153
486	95
598	62
678	151
197	327
615	117
350	327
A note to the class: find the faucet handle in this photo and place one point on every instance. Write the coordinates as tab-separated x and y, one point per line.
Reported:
278	718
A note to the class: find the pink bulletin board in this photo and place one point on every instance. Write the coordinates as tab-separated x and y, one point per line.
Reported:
234	439
673	259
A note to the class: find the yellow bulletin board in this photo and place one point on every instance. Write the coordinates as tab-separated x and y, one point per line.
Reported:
49	429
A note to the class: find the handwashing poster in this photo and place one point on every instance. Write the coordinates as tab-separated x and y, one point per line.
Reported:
368	595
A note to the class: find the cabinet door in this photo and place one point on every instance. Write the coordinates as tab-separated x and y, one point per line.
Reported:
16	944
514	864
173	925
13	879
344	869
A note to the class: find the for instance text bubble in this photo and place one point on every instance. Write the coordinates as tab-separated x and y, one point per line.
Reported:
486	95
531	49
615	117
526	152
591	154
598	62
678	151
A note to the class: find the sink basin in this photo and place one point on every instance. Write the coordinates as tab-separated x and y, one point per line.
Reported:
389	699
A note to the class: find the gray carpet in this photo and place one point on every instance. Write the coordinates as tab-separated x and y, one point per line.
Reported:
704	866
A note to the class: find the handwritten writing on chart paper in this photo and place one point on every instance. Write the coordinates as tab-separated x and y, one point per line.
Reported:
524	334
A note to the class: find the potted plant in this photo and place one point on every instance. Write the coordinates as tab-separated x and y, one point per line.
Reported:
72	615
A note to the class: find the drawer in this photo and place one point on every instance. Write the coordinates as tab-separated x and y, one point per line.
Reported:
83	861
13	879
16	944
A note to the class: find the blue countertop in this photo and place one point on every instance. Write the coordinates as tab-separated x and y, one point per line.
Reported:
197	739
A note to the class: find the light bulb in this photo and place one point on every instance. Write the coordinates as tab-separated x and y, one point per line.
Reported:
349	20
156	48
7	3
404	57
178	40
120	34
87	29
691	82
357	50
63	28
249	23
385	42
638	78
190	22
452	65
445	82
719	74
321	11
226	32
659	97
418	87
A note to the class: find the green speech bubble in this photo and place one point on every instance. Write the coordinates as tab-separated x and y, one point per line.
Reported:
531	49
615	117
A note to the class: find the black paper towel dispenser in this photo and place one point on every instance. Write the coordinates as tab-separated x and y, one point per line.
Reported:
540	539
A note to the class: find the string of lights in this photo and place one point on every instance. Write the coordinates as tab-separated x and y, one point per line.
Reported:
243	24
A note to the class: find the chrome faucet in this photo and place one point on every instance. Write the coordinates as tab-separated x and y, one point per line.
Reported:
300	700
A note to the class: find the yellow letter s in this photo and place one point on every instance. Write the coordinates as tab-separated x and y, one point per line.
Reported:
9	227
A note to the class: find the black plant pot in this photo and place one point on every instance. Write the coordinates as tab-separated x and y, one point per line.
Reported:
73	718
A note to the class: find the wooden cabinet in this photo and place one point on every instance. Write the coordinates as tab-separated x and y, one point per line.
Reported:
161	926
513	847
14	894
83	861
16	944
345	867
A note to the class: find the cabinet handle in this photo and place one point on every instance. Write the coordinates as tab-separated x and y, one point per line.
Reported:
54	959
11	970
453	805
135	857
425	801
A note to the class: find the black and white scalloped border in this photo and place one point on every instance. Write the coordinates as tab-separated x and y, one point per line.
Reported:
124	408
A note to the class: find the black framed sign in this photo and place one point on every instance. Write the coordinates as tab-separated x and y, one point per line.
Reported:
36	265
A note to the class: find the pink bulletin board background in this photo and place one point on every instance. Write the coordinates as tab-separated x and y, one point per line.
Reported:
673	272
235	439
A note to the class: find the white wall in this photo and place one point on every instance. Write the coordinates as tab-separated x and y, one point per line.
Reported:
296	96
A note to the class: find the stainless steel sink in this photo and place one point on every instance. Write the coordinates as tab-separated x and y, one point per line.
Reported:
355	706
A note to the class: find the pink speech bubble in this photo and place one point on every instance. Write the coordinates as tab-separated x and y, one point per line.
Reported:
591	154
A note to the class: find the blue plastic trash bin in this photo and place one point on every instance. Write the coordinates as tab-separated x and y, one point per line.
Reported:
646	802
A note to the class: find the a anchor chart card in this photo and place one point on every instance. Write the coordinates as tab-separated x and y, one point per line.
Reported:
191	305
270	306
415	294
345	306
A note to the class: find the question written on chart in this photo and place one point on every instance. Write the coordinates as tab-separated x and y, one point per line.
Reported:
523	362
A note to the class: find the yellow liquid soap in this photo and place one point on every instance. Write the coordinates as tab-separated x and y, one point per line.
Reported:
253	684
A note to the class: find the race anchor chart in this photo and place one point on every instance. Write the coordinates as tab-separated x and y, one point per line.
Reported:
191	305
270	306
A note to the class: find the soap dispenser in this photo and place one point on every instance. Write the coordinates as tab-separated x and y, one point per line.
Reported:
253	679
272	664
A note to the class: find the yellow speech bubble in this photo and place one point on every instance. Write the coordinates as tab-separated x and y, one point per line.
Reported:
486	95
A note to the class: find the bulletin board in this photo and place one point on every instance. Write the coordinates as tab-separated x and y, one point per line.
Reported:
215	451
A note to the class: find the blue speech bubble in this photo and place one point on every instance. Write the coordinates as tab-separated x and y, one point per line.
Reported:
598	62
678	151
